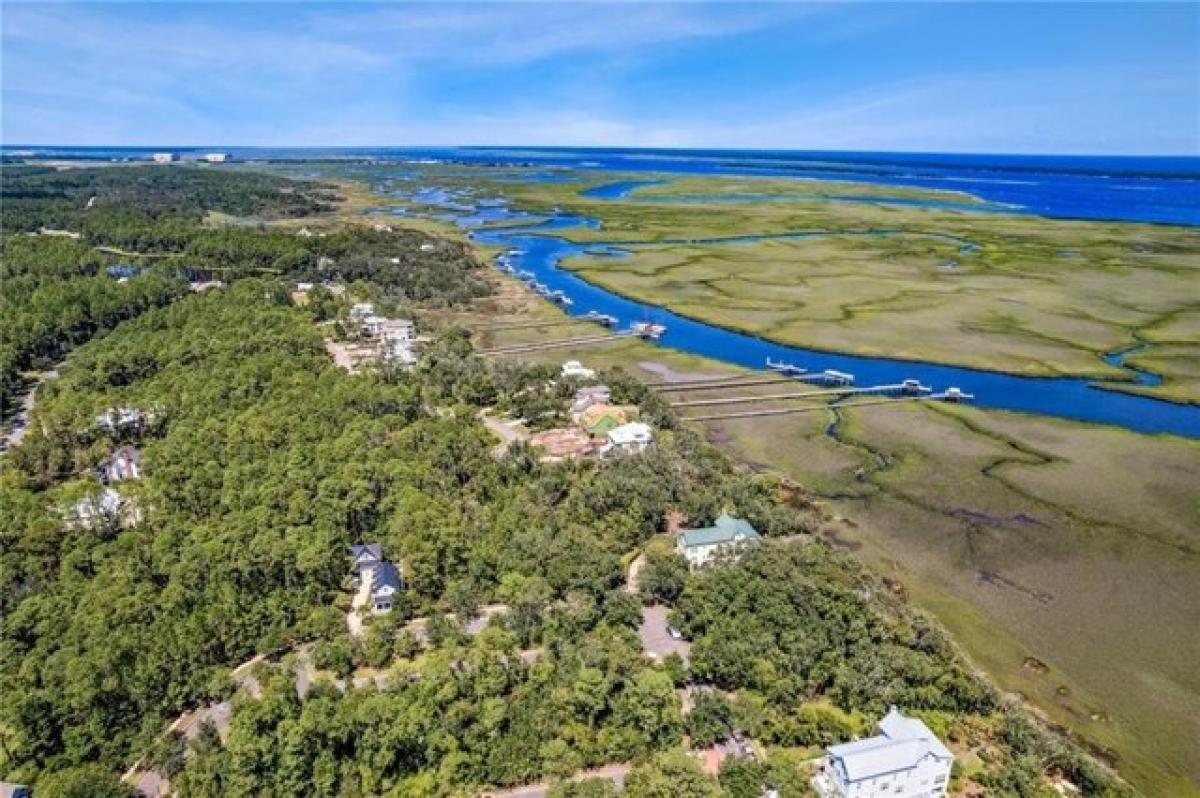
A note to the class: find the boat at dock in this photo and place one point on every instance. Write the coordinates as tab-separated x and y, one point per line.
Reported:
602	319
785	368
648	330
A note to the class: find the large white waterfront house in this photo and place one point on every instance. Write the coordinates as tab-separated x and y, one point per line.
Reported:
905	760
698	546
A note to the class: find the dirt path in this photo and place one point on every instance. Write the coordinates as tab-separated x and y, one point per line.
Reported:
631	575
509	432
15	431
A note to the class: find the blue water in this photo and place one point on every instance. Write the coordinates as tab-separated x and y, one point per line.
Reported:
1077	399
1163	189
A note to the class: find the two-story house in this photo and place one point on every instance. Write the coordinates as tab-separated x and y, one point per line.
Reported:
905	760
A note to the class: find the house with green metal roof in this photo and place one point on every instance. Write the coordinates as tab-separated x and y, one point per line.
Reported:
698	546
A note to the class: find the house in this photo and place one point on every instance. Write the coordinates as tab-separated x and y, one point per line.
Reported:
9	789
904	760
591	395
698	546
573	368
366	557
379	580
385	584
360	311
373	325
120	419
629	438
599	419
165	157
105	507
124	463
216	157
123	270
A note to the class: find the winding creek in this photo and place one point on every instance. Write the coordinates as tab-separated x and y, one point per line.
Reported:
541	252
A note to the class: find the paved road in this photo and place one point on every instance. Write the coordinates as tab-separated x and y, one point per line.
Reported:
153	784
656	640
16	429
508	432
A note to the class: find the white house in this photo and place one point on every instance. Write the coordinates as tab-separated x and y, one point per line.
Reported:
124	463
379	580
396	341
591	395
573	368
216	157
360	311
631	438
103	508
905	760
698	546
165	157
121	419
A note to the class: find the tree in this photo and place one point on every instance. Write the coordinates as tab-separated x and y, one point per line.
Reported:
672	774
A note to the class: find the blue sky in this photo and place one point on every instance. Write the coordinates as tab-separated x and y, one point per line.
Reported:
970	77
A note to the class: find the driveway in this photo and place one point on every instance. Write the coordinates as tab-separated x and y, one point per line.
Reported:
656	640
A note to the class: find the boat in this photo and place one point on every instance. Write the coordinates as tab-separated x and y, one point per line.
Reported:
954	394
785	368
601	318
647	330
911	387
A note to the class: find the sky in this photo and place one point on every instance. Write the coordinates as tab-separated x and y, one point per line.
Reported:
1056	77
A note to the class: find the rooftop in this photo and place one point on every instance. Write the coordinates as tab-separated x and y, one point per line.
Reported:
727	529
902	744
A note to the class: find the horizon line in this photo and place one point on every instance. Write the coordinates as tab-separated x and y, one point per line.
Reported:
585	147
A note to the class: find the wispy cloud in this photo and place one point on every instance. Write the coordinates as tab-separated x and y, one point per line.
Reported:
630	73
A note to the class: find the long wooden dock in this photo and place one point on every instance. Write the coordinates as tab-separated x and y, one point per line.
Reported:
590	340
714	385
784	411
531	325
770	397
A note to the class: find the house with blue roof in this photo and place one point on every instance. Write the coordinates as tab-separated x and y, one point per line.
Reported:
905	760
698	546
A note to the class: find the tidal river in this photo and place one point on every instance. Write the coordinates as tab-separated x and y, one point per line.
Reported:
539	251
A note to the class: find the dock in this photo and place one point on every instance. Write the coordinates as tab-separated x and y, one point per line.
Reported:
784	411
591	340
906	388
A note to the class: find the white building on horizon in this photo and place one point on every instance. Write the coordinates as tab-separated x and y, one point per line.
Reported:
905	760
165	157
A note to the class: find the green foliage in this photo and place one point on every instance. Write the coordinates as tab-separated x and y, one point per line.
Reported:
263	462
794	620
35	197
585	788
663	576
670	775
711	719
